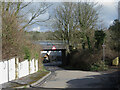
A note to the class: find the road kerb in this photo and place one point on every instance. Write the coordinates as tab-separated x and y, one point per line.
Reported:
40	80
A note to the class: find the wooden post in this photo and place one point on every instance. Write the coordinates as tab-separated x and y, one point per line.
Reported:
16	68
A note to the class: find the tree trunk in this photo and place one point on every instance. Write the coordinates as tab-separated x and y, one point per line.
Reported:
88	42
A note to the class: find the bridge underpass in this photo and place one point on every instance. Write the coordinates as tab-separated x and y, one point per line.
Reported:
59	46
63	57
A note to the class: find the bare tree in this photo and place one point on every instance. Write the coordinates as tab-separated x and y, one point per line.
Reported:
14	21
75	22
87	16
24	9
65	23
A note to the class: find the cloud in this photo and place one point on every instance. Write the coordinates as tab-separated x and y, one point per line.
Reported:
111	22
108	12
36	29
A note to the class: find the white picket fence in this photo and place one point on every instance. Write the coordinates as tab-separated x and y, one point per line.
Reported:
13	69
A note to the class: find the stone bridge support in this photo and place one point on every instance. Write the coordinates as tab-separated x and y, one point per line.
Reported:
64	61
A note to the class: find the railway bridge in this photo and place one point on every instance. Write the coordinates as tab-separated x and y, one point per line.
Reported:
54	45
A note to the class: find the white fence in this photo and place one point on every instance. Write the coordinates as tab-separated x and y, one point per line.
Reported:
12	69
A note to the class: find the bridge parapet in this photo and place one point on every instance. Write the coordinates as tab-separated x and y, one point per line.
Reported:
47	45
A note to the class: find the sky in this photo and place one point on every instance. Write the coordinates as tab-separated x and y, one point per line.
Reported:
108	13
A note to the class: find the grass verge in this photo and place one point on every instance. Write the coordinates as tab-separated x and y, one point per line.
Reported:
30	79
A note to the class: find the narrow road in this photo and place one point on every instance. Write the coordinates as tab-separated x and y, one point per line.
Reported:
61	78
53	66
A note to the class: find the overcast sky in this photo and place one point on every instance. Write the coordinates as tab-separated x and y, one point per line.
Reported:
109	12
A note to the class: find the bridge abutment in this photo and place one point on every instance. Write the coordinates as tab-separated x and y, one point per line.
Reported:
64	61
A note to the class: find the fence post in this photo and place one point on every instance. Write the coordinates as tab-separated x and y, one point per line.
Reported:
34	65
16	68
29	66
8	69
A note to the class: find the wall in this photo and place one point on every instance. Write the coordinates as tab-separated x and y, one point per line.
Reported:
12	69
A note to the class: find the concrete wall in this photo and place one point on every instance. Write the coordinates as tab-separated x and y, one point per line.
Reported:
12	69
23	69
3	72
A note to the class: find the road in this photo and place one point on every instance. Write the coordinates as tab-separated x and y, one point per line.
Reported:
53	66
61	78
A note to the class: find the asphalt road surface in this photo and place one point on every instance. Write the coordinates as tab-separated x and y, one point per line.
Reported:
61	78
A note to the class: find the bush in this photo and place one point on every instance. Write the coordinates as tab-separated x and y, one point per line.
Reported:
27	53
36	56
84	59
14	40
110	55
12	37
99	66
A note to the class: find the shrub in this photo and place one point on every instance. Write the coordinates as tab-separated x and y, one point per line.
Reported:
99	66
110	55
84	59
36	56
14	40
27	53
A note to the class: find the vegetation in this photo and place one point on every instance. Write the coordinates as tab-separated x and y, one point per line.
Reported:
27	53
99	37
36	36
12	39
114	33
99	66
30	79
75	24
83	59
15	42
91	60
